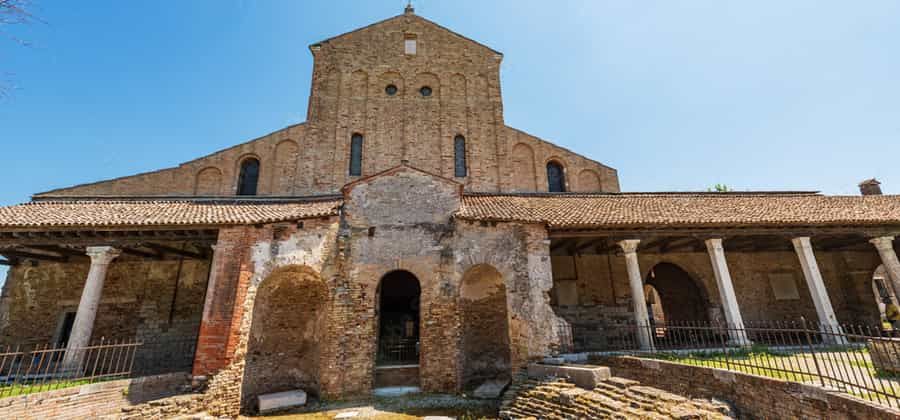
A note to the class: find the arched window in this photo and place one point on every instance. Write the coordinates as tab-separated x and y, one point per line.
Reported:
248	177
356	143
556	178
459	157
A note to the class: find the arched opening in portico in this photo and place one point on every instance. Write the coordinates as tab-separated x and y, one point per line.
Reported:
398	319
883	291
286	333
485	346
676	295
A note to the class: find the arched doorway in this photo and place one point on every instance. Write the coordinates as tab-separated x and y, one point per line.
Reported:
485	347
398	319
654	305
677	295
286	334
883	290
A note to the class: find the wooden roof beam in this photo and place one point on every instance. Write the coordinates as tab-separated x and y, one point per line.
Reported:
9	254
172	250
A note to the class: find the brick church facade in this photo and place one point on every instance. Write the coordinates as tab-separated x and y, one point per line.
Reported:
404	234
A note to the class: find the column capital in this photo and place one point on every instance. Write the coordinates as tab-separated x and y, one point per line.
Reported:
714	244
629	245
802	242
102	254
883	242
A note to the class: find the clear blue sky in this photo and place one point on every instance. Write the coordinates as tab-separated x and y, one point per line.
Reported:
675	95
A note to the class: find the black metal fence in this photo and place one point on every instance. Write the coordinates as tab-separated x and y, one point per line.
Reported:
45	367
38	368
397	351
860	360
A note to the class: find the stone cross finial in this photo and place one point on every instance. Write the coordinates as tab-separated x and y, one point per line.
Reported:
409	8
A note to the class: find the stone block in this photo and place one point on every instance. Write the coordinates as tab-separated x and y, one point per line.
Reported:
584	376
491	389
281	400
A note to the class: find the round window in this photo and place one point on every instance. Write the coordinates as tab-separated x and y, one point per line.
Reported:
425	91
390	90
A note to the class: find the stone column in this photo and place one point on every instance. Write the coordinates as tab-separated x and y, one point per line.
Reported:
638	301
827	320
83	326
733	317
885	247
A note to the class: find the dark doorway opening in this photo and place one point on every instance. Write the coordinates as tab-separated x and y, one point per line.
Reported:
398	329
674	296
65	328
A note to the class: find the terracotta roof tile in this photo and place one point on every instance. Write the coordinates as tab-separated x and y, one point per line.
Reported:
111	213
683	209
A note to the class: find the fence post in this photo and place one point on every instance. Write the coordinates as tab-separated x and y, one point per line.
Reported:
812	351
722	335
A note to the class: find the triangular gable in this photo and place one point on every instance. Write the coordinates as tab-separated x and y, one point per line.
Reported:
396	169
413	16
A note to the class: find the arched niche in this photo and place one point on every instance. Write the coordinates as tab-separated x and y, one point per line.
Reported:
485	344
588	181
286	334
208	182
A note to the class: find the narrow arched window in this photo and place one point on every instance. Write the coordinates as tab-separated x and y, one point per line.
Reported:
249	177
356	143
459	156
556	178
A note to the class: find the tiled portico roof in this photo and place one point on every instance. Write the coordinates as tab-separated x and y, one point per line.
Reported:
147	213
677	210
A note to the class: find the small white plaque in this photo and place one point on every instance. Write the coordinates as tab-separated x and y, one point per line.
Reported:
409	46
784	286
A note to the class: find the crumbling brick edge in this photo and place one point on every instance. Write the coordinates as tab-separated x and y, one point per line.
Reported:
753	396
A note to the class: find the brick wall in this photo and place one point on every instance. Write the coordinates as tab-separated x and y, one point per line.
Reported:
350	74
753	396
93	400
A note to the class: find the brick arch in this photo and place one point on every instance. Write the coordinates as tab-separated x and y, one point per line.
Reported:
285	167
208	181
567	183
286	334
457	88
427	79
237	171
387	78
681	295
588	181
524	178
484	331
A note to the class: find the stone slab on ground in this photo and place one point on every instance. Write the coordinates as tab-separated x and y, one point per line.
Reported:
583	376
281	400
491	389
395	391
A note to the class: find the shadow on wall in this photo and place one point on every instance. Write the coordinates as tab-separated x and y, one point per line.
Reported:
286	333
485	347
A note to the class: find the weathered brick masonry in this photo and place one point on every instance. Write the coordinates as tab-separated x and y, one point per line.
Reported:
753	396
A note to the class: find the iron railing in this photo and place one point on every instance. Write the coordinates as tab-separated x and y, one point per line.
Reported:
398	351
45	367
860	360
37	368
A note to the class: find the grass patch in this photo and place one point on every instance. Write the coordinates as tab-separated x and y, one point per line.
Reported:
756	360
14	390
